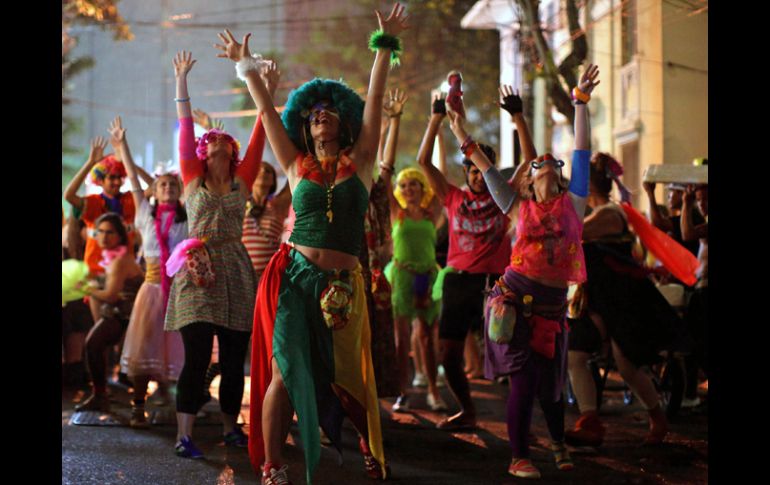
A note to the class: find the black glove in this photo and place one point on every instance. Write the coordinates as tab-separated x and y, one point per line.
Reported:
512	104
439	106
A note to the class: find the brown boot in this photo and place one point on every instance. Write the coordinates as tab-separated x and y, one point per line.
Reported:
658	426
589	431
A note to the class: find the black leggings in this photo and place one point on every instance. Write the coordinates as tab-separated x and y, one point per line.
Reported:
106	333
198	339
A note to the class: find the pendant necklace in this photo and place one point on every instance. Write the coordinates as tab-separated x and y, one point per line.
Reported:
328	185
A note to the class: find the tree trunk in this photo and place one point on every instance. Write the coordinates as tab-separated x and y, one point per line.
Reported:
559	96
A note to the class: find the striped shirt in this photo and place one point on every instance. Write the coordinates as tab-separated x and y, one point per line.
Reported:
262	237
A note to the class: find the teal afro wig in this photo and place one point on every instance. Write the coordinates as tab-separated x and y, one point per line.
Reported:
349	105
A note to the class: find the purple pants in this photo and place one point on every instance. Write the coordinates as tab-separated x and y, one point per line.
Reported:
531	374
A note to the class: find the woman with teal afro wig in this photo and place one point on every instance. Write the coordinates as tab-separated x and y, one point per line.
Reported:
314	359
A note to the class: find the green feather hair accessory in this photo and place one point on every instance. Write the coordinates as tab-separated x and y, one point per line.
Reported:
347	102
381	40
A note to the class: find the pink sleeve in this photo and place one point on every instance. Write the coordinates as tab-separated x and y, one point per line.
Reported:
189	164
252	159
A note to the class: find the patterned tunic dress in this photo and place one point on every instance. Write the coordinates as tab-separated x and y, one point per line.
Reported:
217	220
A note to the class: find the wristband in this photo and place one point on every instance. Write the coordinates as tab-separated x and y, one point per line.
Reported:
386	167
380	40
579	95
182	100
249	64
468	140
470	149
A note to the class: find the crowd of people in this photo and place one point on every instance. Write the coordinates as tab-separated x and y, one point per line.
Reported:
332	281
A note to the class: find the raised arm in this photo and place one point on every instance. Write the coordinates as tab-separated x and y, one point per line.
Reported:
690	232
365	147
192	168
657	219
394	109
511	102
96	153
249	167
249	69
502	192
435	177
581	157
118	134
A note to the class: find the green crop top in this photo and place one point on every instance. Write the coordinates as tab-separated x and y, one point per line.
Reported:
350	201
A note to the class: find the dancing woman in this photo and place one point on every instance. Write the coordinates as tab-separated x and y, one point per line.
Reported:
622	310
413	269
311	342
216	185
525	325
149	351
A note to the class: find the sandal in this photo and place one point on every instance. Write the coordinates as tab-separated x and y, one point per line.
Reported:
523	468
561	456
372	466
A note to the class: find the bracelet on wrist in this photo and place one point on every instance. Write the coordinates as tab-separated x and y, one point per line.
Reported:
386	167
579	95
380	40
468	151
182	100
468	141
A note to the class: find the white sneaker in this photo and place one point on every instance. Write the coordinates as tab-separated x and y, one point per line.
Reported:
401	405
440	377
419	380
436	404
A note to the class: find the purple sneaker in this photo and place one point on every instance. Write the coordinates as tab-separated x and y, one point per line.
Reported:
186	449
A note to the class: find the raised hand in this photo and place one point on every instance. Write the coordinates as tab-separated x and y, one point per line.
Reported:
98	145
183	62
438	104
270	75
456	123
396	21
510	100
203	119
588	79
116	131
395	103
232	49
689	194
649	187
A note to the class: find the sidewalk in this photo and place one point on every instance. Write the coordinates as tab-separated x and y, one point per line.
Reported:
416	451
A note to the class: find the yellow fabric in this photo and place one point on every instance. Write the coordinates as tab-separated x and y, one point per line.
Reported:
355	339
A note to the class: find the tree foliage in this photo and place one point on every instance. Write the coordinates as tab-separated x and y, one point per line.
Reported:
103	13
562	78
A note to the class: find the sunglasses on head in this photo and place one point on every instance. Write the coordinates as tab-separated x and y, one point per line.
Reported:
218	137
540	161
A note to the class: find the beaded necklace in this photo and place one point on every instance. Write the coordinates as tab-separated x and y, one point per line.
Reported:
329	185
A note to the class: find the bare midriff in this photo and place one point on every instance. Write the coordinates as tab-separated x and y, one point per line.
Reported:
328	259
